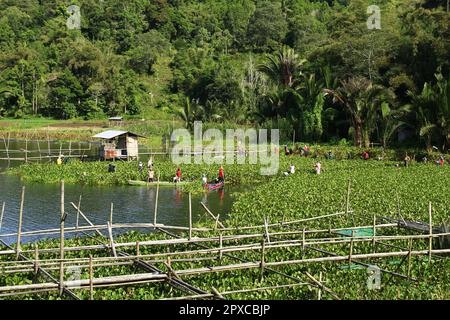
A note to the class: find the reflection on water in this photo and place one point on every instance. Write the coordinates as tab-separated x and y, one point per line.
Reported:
131	204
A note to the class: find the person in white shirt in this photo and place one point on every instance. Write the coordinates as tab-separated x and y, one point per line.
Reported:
204	179
318	167
292	169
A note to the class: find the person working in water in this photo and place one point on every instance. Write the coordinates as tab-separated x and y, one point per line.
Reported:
177	177
291	170
406	160
221	175
318	168
151	175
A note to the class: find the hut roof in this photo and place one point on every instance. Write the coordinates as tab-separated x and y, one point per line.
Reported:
114	133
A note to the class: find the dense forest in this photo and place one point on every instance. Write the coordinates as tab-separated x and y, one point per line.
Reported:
310	67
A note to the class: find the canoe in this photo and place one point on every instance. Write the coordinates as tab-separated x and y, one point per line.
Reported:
151	184
215	186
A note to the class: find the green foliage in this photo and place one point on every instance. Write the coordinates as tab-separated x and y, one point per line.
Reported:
131	57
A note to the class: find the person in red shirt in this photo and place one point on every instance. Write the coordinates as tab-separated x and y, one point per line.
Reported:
366	155
221	175
178	176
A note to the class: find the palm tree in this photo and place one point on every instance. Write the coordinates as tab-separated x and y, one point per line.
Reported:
190	113
432	109
362	99
391	121
284	68
284	72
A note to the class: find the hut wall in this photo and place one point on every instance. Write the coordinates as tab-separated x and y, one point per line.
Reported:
132	146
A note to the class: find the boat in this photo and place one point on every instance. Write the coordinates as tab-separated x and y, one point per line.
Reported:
155	183
215	186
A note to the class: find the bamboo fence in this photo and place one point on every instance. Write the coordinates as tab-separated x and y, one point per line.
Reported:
220	249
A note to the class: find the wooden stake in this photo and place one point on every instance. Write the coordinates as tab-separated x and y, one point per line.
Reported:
111	240
156	203
303	243
1	215
39	150
430	212
19	230
36	259
220	246
266	226
91	277
61	242
263	252
351	250
78	212
374	230
138	251
409	257
26	148
111	214
190	217
319	293
217	293
216	218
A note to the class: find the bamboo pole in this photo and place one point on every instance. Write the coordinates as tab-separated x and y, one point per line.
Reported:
319	241
156	202
190	217
220	246
78	213
409	257
319	292
263	252
7	148
374	230
217	294
430	244
19	229
39	150
26	148
266	225
351	251
87	220
111	240
216	218
91	277
1	215
61	243
36	259
111	214
303	243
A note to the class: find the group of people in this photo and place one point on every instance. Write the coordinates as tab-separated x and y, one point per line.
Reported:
150	170
317	169
220	178
178	174
304	151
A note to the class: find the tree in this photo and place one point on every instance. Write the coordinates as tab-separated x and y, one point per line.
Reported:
362	99
284	68
267	27
151	45
432	111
